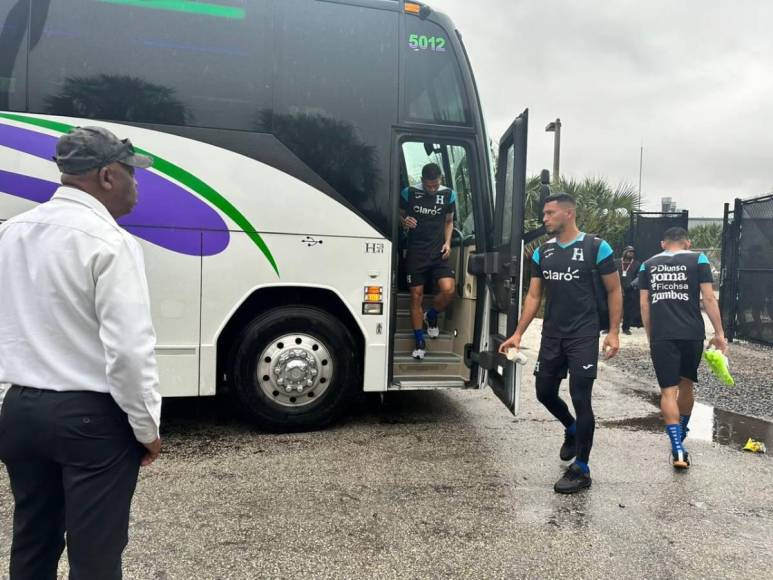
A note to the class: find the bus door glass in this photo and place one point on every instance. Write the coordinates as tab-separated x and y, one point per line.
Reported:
500	268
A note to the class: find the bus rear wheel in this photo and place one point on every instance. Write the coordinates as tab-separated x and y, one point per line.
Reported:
295	368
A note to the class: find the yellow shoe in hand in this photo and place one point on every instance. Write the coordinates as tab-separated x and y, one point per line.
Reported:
718	364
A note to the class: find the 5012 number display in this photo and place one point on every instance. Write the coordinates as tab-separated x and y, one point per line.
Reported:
423	42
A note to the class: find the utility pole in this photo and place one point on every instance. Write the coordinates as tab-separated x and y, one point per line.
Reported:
555	128
641	165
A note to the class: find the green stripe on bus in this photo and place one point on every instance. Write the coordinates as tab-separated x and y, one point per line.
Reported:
218	11
178	174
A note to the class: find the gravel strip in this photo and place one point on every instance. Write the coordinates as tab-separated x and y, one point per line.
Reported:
750	365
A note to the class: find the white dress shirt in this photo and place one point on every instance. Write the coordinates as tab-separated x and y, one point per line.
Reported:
75	308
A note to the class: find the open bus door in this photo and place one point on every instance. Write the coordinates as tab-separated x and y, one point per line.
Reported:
501	269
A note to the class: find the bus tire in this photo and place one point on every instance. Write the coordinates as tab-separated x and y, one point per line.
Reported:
295	368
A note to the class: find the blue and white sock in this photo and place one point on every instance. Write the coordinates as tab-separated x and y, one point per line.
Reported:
572	429
675	435
582	465
419	334
432	315
683	421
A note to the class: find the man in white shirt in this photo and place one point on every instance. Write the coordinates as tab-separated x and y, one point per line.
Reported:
77	345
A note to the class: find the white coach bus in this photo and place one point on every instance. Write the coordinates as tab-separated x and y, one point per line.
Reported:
283	132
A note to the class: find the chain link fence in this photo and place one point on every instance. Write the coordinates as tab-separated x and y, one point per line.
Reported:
746	281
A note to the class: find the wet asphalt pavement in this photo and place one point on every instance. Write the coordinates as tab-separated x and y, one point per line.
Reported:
444	484
750	365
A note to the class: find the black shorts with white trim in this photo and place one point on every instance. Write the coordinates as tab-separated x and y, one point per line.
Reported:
579	356
675	360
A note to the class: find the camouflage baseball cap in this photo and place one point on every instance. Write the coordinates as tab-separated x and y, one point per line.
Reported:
87	148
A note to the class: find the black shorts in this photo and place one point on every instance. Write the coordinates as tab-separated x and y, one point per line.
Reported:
676	359
422	268
579	356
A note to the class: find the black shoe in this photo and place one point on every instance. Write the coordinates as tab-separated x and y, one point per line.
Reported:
569	448
680	459
574	480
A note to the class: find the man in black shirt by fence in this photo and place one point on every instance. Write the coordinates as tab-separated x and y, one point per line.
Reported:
671	285
566	266
629	271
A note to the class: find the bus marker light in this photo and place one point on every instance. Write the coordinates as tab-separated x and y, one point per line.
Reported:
373	308
374	293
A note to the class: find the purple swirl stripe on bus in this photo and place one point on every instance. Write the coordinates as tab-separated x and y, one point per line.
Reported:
166	214
26	187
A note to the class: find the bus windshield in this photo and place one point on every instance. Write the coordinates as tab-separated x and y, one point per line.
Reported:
433	83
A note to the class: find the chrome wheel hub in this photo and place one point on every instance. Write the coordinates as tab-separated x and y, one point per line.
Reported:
294	370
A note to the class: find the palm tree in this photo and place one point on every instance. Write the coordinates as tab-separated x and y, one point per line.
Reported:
706	236
601	209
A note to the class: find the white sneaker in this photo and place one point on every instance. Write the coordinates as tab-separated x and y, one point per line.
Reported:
432	331
420	350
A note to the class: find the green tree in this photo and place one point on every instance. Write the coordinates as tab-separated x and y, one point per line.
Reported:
602	209
706	236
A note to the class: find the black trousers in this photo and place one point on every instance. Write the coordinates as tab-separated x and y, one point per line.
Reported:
631	309
73	463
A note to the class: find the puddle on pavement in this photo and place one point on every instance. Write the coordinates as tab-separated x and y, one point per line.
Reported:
707	423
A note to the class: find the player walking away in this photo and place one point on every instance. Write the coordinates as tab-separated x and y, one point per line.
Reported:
427	213
671	286
565	267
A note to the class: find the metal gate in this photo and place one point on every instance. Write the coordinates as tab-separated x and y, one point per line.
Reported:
746	280
647	229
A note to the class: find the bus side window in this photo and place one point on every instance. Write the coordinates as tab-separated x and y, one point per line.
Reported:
153	62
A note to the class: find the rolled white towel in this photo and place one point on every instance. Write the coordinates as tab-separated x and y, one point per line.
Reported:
516	355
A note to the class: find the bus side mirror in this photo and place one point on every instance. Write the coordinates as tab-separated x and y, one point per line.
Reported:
430	148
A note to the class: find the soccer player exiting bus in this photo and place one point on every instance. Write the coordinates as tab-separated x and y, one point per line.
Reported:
671	285
565	267
427	213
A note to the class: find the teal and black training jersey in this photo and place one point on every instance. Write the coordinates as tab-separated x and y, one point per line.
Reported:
430	211
673	280
566	272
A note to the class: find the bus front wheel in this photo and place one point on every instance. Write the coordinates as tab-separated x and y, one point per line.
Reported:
295	368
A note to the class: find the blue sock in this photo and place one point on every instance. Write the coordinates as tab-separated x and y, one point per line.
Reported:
572	429
582	465
419	334
432	315
683	421
675	435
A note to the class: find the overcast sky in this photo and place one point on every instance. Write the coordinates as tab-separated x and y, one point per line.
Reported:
690	79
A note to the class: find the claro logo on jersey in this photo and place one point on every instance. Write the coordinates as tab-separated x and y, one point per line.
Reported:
427	211
567	276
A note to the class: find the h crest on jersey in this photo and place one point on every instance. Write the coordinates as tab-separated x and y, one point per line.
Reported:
577	255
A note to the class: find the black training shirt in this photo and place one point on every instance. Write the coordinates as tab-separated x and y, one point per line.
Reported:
430	211
570	304
673	280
